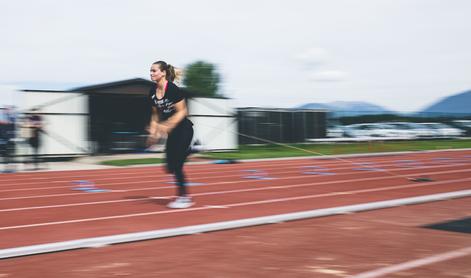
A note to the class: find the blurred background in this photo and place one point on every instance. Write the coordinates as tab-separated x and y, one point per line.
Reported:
256	72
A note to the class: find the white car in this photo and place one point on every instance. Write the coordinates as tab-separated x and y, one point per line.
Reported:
464	125
416	129
335	132
444	130
374	130
404	129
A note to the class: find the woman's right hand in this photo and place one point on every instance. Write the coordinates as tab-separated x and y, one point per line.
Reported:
152	138
156	131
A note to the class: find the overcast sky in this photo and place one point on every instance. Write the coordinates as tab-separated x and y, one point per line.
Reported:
400	54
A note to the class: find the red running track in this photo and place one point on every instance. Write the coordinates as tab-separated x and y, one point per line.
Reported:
388	242
38	208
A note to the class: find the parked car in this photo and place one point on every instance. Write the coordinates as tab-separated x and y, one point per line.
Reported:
465	125
404	129
424	131
375	130
416	129
335	131
444	130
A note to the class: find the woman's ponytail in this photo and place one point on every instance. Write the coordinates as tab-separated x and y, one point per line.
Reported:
172	74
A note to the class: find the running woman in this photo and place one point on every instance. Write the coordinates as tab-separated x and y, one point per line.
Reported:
169	119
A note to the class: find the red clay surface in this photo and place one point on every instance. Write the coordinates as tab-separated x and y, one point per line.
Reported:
41	208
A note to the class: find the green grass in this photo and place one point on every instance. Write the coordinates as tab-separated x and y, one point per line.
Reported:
127	162
275	151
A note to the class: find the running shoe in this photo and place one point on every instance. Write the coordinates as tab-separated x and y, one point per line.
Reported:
181	203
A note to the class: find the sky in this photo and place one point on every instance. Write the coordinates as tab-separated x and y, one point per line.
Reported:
401	54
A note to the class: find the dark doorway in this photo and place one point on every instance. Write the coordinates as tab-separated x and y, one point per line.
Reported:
118	121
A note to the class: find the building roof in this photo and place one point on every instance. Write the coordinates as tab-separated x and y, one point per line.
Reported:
127	82
133	86
266	109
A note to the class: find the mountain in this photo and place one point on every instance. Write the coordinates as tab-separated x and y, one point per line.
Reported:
455	104
313	105
348	108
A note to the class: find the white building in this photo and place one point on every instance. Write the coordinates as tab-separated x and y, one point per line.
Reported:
113	116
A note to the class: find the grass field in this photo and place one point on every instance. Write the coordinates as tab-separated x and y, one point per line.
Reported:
275	151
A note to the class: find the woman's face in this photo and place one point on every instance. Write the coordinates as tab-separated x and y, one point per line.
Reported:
155	73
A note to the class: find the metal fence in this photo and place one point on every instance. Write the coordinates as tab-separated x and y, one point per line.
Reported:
280	125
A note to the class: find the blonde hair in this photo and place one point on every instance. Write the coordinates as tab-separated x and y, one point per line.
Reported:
171	73
178	75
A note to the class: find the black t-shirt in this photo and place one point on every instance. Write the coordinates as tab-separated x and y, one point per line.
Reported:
166	105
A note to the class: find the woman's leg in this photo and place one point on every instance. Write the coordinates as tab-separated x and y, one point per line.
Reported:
177	152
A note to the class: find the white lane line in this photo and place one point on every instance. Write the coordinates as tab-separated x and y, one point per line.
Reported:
236	204
415	263
101	218
71	205
195	177
271	164
218	226
104	178
206	193
240	181
406	186
140	175
216	207
82	193
135	173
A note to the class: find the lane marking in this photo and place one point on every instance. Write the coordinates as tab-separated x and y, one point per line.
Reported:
198	194
216	207
218	226
71	205
234	204
204	173
415	263
238	181
216	177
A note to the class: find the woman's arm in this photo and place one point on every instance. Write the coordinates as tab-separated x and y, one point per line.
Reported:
180	113
154	120
152	128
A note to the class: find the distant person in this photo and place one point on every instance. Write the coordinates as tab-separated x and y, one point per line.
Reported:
169	119
35	123
8	137
3	137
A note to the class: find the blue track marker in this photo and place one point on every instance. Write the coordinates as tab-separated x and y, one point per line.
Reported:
365	166
257	175
224	161
368	169
96	190
442	158
446	160
317	170
87	186
319	173
408	163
